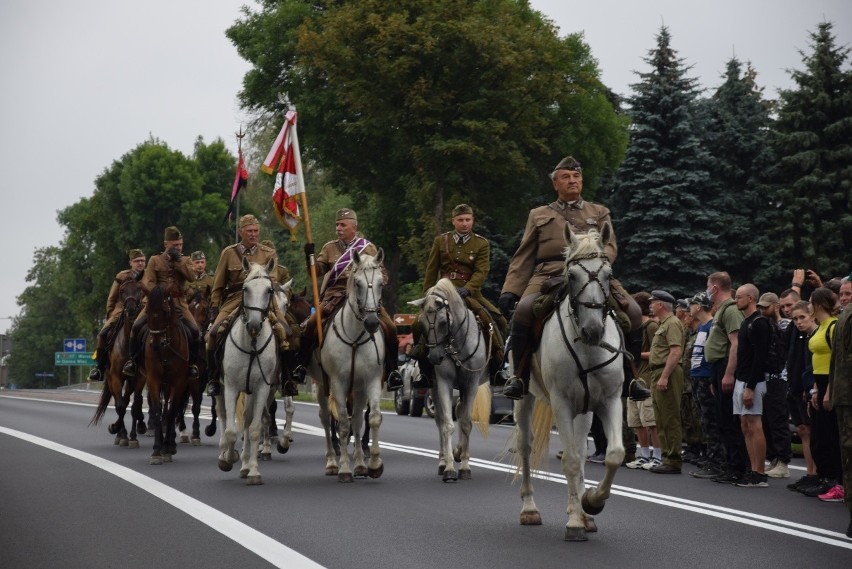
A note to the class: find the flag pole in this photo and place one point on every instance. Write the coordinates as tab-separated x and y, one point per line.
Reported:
310	255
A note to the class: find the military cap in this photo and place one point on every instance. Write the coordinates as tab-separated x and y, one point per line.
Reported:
683	303
248	219
462	209
197	256
702	300
345	213
767	299
663	296
135	254
172	233
568	163
268	243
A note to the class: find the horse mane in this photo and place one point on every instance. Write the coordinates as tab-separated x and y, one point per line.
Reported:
156	298
255	271
587	244
446	289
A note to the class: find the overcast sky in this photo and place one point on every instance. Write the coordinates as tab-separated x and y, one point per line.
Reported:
85	82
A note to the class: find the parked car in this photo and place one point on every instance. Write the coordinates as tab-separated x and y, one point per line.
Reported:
502	407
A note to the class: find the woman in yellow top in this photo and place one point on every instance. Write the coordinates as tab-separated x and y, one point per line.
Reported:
825	437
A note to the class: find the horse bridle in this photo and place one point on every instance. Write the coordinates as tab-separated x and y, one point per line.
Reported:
254	351
450	342
359	310
262	310
593	278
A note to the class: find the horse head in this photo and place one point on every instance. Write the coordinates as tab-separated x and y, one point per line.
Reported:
130	294
587	272
160	316
300	307
283	295
365	288
257	295
439	309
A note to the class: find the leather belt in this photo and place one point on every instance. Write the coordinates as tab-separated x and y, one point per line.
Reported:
455	275
549	260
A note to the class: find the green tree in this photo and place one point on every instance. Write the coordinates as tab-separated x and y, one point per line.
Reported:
663	183
813	139
413	107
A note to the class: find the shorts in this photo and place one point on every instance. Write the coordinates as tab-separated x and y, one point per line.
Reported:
799	412
759	393
640	413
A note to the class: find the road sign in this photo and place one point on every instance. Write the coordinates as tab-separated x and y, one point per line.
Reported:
44	374
73	359
74	345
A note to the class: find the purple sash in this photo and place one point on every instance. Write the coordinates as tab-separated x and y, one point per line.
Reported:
344	261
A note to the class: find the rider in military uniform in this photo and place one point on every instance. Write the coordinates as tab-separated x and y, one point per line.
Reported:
464	257
227	295
114	309
540	257
201	278
333	263
171	271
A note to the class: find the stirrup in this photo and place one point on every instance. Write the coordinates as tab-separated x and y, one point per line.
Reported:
192	372
289	389
637	390
394	381
213	388
422	382
514	389
299	374
95	374
129	369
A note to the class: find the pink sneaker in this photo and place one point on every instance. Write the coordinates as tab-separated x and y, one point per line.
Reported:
835	494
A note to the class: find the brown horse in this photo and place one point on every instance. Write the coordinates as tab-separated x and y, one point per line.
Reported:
202	311
166	368
116	386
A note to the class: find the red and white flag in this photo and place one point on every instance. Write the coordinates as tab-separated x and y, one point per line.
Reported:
240	182
285	200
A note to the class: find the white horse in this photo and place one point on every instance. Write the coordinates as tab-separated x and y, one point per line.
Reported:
577	370
282	296
459	352
249	366
351	363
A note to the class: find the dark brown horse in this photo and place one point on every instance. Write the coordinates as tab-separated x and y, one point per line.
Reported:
166	368
116	385
202	311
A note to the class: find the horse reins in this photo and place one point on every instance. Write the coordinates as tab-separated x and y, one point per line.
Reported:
254	352
449	346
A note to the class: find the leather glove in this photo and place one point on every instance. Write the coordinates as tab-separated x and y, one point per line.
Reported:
507	302
309	250
174	255
463	292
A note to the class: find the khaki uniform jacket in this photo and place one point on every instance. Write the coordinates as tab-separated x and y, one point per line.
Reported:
170	276
328	256
465	264
539	256
199	284
282	275
114	308
840	369
228	281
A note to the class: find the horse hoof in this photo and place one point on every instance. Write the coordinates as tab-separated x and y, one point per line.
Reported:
441	469
345	477
376	472
225	466
133	444
266	456
141	428
244	473
530	519
575	534
122	443
184	439
116	441
196	442
591	526
360	472
282	449
331	471
157	460
112	429
464	474
590	508
210	430
167	458
254	480
450	476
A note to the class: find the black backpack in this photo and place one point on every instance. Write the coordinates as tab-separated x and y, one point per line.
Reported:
776	359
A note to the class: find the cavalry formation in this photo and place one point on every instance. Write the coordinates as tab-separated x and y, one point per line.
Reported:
576	370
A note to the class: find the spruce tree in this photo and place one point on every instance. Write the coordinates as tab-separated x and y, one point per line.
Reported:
813	139
660	199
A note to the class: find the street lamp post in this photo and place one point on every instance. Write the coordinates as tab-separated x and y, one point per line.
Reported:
5	348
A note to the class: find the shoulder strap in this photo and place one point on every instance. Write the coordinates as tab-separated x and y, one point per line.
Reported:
449	255
828	330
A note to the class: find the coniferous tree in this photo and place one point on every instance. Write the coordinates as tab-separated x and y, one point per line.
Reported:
661	193
813	139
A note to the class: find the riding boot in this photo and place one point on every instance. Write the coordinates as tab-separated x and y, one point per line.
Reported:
129	369
394	379
213	385
306	345
297	371
518	385
288	386
427	371
97	372
192	372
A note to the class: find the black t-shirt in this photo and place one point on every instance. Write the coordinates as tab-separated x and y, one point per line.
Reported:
753	349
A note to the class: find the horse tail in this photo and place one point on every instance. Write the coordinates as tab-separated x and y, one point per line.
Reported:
332	407
239	410
542	423
481	413
106	395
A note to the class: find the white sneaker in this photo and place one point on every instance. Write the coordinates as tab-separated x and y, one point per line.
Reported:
652	463
780	470
638	463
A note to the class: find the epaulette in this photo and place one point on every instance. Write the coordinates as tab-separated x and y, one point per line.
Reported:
265	248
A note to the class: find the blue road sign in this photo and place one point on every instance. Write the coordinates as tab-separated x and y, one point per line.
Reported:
74	345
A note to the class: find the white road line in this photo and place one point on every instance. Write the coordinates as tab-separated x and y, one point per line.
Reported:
276	553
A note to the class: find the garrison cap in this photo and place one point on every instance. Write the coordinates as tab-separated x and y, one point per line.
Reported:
172	233
248	219
462	209
663	296
767	299
135	254
197	256
569	163
345	213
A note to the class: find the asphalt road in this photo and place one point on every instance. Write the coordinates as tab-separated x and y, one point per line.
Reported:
70	498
